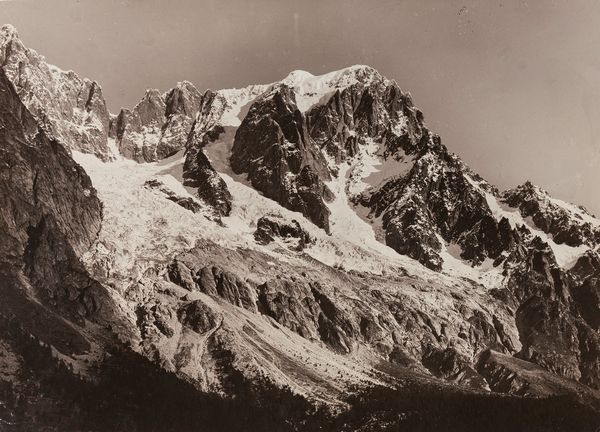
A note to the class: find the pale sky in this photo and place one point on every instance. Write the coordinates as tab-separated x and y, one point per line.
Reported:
513	87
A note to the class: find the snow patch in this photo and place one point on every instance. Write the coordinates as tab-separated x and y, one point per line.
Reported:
311	90
453	265
576	212
237	103
115	154
371	169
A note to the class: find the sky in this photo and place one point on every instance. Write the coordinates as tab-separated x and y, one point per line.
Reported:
512	86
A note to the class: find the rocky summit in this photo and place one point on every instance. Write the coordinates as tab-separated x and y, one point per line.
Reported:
294	256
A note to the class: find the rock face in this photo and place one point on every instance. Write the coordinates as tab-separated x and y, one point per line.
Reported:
367	107
210	187
270	227
198	317
272	145
41	181
50	216
567	223
69	109
198	173
425	194
158	126
307	310
230	300
506	374
137	131
385	315
550	315
586	292
215	281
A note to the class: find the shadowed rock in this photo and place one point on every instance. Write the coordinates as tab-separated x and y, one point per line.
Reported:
273	147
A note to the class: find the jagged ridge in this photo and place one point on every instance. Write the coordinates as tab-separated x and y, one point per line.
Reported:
212	298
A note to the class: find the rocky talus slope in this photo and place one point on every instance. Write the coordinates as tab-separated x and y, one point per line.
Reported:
300	255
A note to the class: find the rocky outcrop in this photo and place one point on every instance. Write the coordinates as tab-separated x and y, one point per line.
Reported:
307	310
188	203
549	336
198	172
586	289
198	317
270	227
230	318
50	216
292	304
584	293
210	186
372	108
69	109
450	365
214	281
506	374
152	316
40	180
439	200
182	104
137	131
554	324
158	126
567	223
273	147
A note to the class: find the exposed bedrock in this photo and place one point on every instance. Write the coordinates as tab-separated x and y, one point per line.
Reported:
273	147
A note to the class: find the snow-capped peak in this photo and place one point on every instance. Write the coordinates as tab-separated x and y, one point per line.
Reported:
311	89
151	92
340	77
529	191
185	84
297	76
8	31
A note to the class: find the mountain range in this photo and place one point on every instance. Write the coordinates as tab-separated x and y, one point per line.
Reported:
299	255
